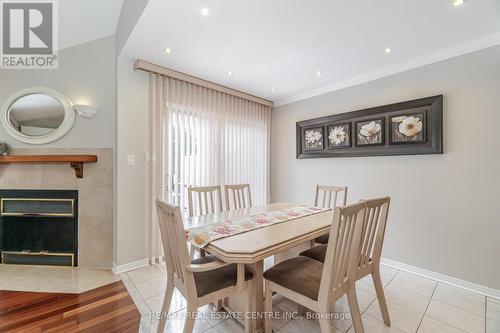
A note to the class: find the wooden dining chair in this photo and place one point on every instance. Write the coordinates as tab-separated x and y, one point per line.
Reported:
201	201
324	194
236	192
201	281
204	200
315	285
372	239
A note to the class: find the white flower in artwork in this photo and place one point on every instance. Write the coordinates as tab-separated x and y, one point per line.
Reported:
337	135
410	126
312	136
370	130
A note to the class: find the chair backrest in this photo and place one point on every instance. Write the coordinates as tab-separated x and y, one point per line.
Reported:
372	235
343	248
238	196
326	192
209	200
174	242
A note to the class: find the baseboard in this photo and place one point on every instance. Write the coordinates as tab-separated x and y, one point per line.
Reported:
118	269
477	288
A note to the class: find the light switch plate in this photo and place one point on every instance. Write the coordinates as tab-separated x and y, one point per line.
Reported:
130	159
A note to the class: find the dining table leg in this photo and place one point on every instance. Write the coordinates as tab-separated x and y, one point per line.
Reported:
258	296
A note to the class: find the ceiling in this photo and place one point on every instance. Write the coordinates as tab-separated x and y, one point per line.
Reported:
281	44
81	21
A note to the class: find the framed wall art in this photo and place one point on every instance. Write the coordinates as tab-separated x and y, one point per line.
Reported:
407	128
339	136
312	139
370	132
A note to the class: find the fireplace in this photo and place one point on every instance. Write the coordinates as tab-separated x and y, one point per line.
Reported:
39	227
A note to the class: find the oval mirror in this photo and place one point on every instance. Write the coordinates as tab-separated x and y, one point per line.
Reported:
37	115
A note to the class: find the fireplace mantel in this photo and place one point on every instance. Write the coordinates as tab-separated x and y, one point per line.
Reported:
75	161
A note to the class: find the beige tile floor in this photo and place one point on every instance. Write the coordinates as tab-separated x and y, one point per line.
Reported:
53	279
416	304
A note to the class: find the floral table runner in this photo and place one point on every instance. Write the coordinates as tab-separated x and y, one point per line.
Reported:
201	236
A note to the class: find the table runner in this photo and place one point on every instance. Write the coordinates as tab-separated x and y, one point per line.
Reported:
201	236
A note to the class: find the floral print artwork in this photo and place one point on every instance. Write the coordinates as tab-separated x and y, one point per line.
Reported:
407	129
370	132
313	139
339	136
201	236
410	127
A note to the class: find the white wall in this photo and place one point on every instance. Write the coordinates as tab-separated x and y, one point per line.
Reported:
86	75
445	213
130	241
132	189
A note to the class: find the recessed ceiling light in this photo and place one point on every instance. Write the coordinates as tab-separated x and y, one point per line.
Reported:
318	73
388	50
229	73
168	50
458	3
204	11
273	90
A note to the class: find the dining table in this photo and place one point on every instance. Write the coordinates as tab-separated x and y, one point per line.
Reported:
252	247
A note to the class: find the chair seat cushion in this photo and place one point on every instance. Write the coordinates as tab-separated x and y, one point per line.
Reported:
322	239
217	279
317	253
300	274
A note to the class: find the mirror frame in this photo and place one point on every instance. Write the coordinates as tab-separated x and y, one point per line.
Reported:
62	130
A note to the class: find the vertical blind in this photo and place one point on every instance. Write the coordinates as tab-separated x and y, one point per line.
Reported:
203	137
213	138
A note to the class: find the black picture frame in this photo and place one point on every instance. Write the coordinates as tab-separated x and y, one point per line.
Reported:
348	139
381	135
432	142
321	141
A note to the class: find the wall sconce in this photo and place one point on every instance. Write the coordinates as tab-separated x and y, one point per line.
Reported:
85	111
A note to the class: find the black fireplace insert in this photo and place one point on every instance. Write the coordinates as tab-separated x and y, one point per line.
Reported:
39	227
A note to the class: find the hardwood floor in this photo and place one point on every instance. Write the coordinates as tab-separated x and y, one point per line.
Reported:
106	309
